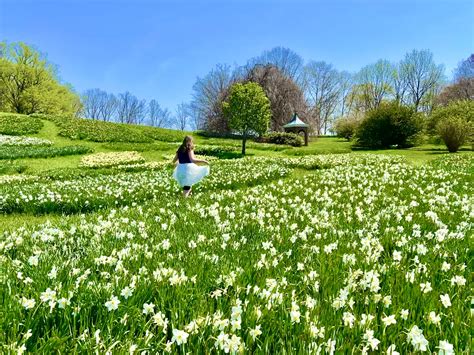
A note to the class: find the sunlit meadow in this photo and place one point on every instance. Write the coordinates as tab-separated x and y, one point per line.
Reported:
323	254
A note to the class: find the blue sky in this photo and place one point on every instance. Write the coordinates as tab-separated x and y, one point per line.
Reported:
156	49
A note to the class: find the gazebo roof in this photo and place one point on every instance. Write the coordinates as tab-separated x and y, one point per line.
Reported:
295	122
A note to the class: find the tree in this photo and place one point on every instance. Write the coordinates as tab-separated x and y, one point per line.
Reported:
130	109
399	83
287	61
285	96
422	75
346	80
157	116
322	85
374	84
182	116
92	102
463	89
29	84
208	94
465	69
247	110
109	106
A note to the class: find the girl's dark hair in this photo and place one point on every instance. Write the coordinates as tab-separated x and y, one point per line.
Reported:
187	144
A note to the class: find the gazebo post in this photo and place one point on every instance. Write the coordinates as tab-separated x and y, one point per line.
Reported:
297	126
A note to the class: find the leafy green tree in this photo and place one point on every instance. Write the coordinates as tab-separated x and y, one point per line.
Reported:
247	110
28	83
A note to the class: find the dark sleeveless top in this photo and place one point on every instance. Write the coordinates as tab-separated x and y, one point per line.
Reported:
183	157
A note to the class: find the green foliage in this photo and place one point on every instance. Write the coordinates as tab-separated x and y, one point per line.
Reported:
463	110
10	167
282	138
247	110
18	152
213	150
28	83
346	127
455	132
18	125
389	125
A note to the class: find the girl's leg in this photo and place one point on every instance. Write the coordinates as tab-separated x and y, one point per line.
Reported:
186	190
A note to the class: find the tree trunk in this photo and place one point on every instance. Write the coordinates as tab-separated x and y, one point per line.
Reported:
244	140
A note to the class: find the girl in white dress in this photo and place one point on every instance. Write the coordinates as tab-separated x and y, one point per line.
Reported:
187	172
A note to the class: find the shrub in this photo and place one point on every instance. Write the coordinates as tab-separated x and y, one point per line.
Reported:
18	152
455	132
19	125
389	125
463	110
346	127
213	150
282	138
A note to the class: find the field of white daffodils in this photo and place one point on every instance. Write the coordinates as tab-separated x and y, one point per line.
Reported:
321	254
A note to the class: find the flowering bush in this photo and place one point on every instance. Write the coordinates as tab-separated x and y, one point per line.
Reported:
23	141
371	256
101	160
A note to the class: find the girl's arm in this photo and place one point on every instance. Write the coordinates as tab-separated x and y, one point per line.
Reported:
175	159
194	160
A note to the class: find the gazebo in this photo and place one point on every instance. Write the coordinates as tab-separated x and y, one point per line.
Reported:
297	126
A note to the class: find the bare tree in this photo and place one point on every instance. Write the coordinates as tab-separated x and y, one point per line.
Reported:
287	61
399	83
98	104
322	87
208	94
92	101
422	75
461	90
130	109
374	83
157	116
465	69
182	116
285	96
109	106
346	80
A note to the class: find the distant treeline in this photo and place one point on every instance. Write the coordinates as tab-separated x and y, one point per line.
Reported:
317	91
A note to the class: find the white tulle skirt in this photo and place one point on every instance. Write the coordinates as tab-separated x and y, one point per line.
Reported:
190	174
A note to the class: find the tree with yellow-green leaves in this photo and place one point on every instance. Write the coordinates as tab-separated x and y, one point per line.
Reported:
29	84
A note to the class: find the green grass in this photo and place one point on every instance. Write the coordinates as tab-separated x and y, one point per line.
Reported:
161	150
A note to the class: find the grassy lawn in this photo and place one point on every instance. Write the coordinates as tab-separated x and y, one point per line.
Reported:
161	151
